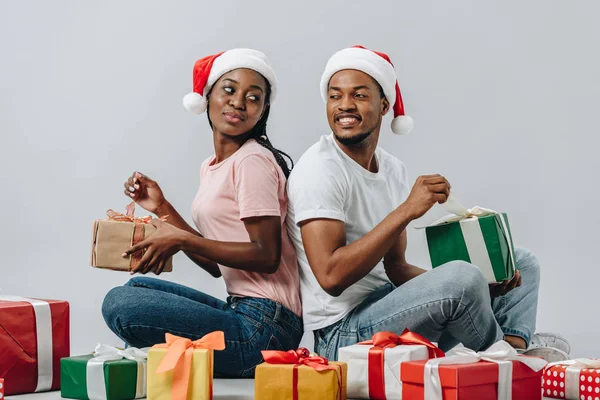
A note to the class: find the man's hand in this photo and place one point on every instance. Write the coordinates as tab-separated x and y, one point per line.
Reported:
427	190
502	288
158	247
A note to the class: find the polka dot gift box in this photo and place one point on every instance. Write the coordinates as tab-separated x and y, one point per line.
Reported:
577	379
1	388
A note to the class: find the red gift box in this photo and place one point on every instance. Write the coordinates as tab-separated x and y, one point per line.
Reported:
20	362
573	379
471	381
1	388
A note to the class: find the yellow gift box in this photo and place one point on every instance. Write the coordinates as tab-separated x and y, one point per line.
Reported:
295	375
182	369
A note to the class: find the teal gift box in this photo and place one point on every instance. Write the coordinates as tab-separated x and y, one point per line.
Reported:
479	236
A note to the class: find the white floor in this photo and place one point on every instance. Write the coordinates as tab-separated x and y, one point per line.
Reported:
224	389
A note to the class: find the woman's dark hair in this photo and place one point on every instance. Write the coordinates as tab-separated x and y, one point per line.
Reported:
259	133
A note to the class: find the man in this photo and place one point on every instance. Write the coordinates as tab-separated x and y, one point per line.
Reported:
350	203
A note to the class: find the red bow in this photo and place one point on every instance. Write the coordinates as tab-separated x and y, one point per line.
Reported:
298	358
387	340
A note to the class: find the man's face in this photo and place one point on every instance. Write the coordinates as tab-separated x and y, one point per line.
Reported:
355	106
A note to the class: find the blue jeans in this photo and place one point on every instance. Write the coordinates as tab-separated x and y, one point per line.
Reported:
143	310
450	304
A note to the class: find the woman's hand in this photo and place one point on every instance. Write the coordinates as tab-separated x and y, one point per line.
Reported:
145	192
158	247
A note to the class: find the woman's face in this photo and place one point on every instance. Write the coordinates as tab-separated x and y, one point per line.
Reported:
237	101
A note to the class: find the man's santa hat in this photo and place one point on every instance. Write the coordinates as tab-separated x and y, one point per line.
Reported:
209	69
379	66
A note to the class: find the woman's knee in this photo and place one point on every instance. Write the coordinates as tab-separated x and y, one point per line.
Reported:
114	306
141	281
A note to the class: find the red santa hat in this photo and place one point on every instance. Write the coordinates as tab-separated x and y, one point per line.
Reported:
379	66
209	69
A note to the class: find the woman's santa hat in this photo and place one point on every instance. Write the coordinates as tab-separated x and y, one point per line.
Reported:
209	69
379	66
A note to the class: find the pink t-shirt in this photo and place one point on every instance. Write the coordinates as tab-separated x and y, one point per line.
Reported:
248	184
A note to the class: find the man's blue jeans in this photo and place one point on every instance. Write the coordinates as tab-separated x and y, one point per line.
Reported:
143	310
450	304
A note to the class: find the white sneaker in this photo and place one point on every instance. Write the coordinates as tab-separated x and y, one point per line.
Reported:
550	354
550	340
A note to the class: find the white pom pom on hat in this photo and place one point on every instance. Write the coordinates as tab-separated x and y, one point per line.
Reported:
209	69
195	103
379	66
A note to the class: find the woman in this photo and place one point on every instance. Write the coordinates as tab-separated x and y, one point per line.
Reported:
239	212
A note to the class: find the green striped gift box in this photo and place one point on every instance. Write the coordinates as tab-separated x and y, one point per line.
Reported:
108	374
484	241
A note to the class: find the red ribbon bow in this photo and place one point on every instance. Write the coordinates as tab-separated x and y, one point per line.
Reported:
298	358
388	340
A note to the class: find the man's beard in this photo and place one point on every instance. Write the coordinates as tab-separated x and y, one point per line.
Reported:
357	140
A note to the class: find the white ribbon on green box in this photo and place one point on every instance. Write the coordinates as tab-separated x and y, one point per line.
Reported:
473	235
95	381
500	352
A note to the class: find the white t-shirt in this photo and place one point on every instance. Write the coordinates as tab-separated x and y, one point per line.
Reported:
327	183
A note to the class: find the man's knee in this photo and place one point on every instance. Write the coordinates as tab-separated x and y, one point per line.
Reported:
526	261
465	279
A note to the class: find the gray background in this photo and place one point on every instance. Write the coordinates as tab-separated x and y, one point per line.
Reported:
504	95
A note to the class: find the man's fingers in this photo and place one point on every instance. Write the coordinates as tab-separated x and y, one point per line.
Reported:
440	188
434	180
440	197
513	283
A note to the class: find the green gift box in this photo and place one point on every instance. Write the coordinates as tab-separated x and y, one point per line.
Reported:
479	236
105	375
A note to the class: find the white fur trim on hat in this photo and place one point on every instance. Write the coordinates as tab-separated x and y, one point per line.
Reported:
362	60
242	58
